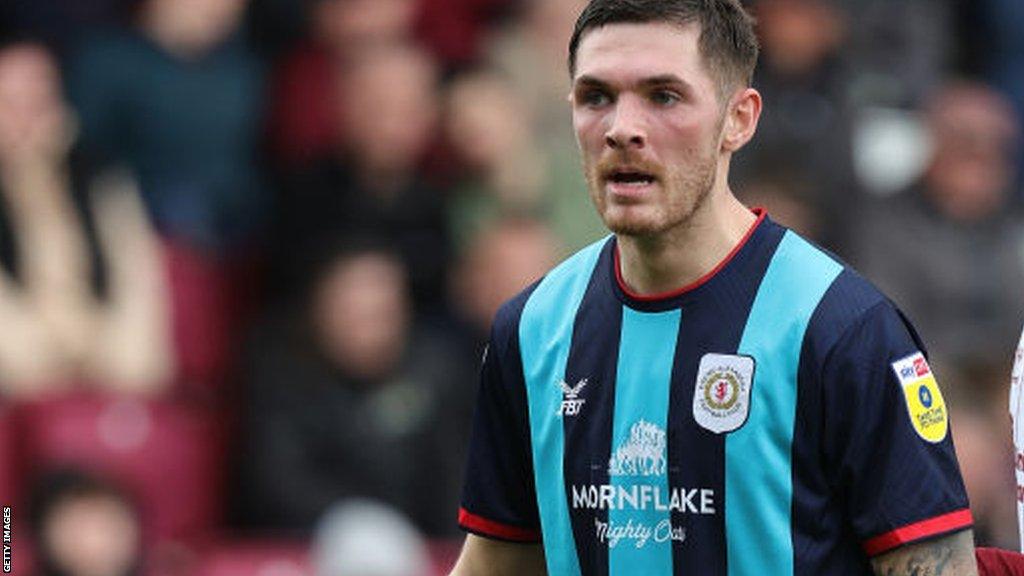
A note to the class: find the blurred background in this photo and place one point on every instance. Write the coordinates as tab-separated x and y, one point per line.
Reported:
250	250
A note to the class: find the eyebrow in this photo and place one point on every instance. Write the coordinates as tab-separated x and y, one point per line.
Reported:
659	80
591	82
665	79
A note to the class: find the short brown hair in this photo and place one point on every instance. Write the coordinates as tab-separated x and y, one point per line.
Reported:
727	42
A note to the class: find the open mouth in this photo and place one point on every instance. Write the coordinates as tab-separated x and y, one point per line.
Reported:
631	177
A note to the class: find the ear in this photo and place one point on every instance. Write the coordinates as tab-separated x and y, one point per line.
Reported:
741	117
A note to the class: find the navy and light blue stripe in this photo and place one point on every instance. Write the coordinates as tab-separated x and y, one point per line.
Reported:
754	500
796	489
545	335
758	459
647	347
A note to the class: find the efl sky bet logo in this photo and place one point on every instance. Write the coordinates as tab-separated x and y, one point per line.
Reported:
921	366
925	405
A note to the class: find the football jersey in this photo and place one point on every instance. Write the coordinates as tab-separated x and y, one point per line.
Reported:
778	416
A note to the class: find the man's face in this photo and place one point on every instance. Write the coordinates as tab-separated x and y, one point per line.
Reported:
361	313
389	108
648	120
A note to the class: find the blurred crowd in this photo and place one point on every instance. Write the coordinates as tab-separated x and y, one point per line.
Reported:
250	251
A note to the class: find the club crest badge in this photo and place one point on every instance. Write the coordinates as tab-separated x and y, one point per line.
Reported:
925	405
721	400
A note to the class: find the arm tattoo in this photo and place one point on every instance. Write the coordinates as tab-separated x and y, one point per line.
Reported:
951	555
931	561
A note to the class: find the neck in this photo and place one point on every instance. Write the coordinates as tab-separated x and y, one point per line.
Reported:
681	256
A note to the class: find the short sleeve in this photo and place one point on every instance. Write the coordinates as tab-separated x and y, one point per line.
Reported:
887	434
498	495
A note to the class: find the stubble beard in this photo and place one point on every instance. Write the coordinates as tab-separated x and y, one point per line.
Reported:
683	194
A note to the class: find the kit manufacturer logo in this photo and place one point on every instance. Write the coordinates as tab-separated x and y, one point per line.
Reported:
571	402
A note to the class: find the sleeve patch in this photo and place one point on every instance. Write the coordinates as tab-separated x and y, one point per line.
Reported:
925	405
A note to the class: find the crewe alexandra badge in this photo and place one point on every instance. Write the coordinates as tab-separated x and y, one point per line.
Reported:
721	400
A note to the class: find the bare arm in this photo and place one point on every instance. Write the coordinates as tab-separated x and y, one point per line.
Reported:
484	557
951	555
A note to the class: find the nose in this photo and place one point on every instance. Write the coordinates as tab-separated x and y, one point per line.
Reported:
627	126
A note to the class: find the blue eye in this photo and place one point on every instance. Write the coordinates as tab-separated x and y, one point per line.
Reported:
664	97
594	98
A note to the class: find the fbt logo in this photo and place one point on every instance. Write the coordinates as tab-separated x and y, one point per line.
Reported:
571	402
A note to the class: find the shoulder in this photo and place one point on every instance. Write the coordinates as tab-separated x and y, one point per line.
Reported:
799	273
849	300
855	318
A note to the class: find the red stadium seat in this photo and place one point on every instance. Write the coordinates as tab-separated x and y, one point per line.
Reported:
166	454
255	558
10	492
201	317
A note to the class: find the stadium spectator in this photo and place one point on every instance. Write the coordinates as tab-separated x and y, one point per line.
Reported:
82	291
85	526
898	51
347	397
178	97
530	52
307	92
505	257
371	183
948	249
806	132
456	31
497	152
997	46
58	23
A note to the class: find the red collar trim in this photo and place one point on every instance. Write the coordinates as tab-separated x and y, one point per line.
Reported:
760	212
